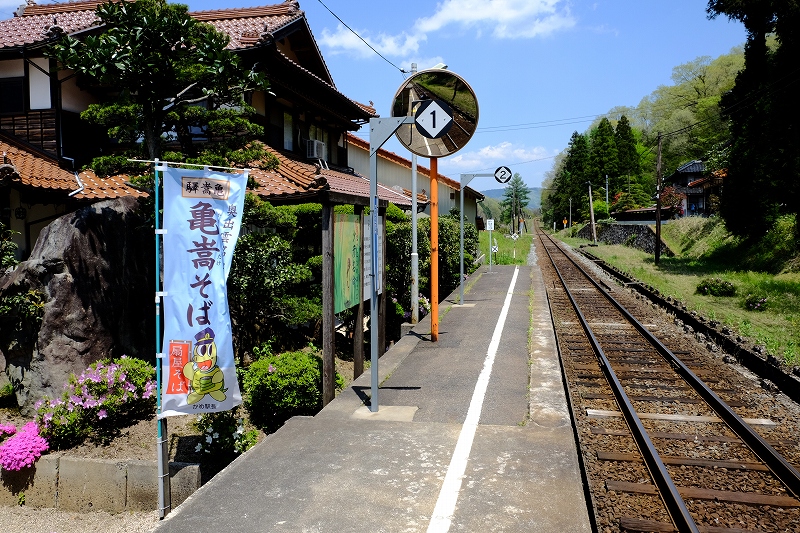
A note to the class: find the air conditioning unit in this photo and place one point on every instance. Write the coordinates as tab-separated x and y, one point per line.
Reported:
315	149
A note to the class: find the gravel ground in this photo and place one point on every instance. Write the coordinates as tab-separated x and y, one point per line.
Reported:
27	520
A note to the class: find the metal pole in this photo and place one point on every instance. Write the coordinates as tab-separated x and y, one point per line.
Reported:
490	250
434	249
380	129
591	213
658	202
414	254
607	207
164	500
373	299
461	240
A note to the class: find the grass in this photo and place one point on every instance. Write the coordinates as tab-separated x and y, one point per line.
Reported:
704	249
509	251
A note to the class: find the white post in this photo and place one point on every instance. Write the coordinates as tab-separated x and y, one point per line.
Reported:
414	254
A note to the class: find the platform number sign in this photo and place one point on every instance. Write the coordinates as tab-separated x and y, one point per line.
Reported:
433	119
502	174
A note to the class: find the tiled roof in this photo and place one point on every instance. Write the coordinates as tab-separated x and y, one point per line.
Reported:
295	179
245	26
692	167
402	161
36	20
27	169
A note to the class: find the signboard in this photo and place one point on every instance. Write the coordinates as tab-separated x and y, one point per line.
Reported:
445	110
490	224
502	174
433	119
347	246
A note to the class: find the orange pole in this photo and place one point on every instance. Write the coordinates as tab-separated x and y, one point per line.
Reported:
434	249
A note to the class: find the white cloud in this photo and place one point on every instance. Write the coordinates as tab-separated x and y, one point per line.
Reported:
343	40
503	19
492	156
507	19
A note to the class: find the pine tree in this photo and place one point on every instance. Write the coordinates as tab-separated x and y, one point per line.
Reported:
603	155
628	165
515	198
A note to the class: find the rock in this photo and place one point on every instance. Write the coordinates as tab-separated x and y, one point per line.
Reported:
769	386
94	268
729	359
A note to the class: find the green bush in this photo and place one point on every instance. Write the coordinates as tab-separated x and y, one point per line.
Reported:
107	396
716	287
8	247
278	387
754	302
224	435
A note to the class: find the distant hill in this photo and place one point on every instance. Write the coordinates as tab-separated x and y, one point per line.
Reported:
535	201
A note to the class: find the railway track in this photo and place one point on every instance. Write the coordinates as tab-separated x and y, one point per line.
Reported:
670	439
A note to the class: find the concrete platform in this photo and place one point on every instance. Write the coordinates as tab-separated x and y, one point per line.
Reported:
472	434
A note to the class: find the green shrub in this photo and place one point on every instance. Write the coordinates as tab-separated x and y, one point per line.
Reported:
224	435
107	396
8	248
278	387
716	287
754	302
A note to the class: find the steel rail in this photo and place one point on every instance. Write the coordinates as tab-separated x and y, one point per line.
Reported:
780	467
672	499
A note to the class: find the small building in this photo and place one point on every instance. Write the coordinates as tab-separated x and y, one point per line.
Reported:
685	180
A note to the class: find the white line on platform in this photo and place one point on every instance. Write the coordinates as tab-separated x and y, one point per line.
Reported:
448	495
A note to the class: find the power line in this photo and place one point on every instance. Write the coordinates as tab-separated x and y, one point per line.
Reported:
361	38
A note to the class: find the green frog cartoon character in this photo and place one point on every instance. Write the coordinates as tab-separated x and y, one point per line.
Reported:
204	376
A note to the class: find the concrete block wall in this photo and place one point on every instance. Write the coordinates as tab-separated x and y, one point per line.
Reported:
82	485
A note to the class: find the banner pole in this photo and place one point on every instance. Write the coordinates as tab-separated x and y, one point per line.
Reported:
164	500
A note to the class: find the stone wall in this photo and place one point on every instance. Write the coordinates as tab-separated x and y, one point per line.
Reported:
638	236
82	485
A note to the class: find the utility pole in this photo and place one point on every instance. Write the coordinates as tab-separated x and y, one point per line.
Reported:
608	207
570	217
658	201
591	212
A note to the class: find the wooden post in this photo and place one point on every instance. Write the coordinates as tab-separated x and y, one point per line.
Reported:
658	202
434	249
328	318
358	327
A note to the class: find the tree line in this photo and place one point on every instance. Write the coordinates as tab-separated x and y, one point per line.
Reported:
738	113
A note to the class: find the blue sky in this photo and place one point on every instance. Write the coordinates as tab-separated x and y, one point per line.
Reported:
533	64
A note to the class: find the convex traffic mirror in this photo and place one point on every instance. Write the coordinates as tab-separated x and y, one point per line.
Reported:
445	108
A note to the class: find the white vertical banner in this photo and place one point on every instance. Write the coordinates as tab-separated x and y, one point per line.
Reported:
367	248
202	219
